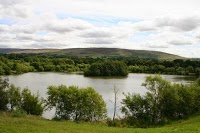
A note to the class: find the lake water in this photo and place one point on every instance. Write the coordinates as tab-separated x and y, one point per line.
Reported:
38	83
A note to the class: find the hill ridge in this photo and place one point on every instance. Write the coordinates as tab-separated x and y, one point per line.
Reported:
95	52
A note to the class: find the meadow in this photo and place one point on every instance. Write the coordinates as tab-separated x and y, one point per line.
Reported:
32	124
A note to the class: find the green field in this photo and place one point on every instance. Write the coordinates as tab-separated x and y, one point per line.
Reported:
9	124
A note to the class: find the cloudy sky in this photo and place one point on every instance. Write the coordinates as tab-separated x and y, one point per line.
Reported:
171	26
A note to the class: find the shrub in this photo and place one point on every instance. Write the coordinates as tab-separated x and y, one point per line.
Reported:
19	113
76	104
31	103
162	103
3	94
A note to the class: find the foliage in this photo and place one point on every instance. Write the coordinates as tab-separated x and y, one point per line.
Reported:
14	97
31	103
23	63
163	102
111	68
76	104
3	94
11	98
117	122
19	113
137	110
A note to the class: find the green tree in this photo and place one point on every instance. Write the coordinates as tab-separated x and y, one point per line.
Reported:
2	72
195	89
31	104
169	103
76	104
14	95
92	105
3	93
156	86
186	105
197	71
108	68
137	110
190	69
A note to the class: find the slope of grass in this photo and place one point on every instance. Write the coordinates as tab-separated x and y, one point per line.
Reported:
9	124
98	52
113	52
95	52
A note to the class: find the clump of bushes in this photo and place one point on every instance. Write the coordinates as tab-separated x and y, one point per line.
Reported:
71	103
162	103
76	104
19	113
19	102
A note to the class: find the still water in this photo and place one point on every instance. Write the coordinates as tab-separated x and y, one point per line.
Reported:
38	83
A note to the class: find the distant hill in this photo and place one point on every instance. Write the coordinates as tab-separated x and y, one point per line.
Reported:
9	50
95	52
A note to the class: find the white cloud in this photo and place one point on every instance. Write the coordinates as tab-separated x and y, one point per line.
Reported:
10	2
172	38
3	28
97	34
145	26
181	42
67	25
171	26
120	8
180	24
5	37
155	44
27	29
15	9
100	41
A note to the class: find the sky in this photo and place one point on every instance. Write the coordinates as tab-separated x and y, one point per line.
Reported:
171	26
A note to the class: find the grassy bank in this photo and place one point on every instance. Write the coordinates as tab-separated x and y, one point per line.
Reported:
9	124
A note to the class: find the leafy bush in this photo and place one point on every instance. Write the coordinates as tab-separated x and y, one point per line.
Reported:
31	103
162	103
14	97
19	113
3	94
76	104
116	123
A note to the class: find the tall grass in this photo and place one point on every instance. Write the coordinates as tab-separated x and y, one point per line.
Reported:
32	124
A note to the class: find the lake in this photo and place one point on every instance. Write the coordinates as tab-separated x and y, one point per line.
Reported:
38	83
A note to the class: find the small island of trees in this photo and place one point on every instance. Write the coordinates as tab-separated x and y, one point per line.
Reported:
108	68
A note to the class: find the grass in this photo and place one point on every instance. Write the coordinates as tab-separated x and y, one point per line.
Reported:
31	124
96	52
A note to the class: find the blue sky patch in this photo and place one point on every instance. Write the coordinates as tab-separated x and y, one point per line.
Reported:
141	36
104	21
6	21
42	33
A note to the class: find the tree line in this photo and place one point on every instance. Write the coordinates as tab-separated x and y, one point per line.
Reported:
23	63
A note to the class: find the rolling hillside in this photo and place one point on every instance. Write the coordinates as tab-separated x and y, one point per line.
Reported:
95	52
10	124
